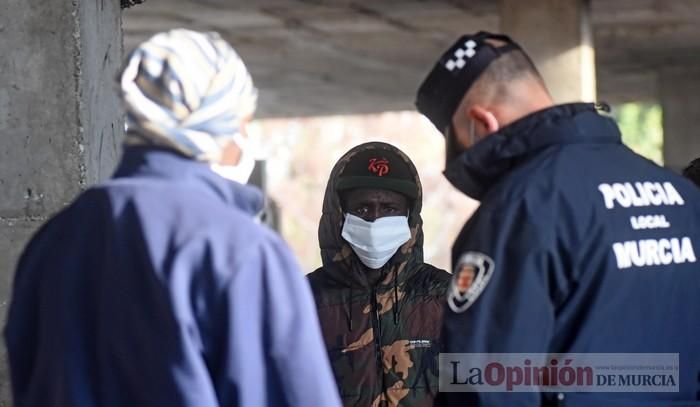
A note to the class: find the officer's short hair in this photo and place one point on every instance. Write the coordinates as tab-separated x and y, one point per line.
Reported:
493	82
692	171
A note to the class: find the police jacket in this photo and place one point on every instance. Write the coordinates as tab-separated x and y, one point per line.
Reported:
157	288
382	330
579	246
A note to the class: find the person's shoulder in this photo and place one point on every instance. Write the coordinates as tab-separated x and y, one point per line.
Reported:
569	173
580	171
435	273
229	227
315	276
431	278
519	189
320	281
81	214
161	196
527	181
241	247
89	204
244	231
188	208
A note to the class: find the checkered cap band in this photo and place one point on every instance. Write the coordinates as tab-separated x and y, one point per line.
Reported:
455	72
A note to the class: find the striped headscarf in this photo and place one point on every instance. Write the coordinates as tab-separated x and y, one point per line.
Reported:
188	91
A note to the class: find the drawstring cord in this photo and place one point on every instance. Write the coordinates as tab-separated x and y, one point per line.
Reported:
396	297
350	309
395	309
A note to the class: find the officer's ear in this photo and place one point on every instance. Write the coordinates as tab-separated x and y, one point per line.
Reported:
485	121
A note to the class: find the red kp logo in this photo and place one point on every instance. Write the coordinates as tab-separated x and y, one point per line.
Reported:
379	166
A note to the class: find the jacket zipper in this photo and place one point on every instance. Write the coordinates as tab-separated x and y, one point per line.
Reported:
377	326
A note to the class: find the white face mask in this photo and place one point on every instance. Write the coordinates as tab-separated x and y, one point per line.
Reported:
240	172
376	242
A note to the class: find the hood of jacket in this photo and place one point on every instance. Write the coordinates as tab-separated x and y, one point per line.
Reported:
339	260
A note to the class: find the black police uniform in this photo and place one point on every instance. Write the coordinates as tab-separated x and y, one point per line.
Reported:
579	246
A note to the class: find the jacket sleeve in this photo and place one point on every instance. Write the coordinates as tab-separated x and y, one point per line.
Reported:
21	335
508	306
276	355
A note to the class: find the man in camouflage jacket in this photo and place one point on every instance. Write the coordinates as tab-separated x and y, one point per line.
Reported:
381	326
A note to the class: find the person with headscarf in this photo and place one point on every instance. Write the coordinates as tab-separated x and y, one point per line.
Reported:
158	287
380	306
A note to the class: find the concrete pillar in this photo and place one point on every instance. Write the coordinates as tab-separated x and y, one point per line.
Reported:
558	37
679	91
60	120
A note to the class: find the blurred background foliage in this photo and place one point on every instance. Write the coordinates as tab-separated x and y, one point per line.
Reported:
642	128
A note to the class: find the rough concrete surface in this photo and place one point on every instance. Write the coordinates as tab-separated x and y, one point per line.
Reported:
99	107
60	122
38	109
565	60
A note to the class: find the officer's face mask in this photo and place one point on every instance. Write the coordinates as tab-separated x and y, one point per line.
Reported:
376	242
471	185
240	172
453	148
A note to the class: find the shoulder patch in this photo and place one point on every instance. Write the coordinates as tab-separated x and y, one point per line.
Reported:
469	279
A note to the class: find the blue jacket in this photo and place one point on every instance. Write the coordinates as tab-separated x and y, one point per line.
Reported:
157	288
579	246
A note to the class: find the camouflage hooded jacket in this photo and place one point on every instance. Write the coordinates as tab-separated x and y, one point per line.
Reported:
383	340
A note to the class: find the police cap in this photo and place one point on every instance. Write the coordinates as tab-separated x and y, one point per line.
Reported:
455	72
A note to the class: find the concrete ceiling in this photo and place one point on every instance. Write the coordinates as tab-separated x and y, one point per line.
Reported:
319	57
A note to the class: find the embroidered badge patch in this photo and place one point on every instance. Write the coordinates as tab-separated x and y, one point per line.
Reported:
469	279
379	166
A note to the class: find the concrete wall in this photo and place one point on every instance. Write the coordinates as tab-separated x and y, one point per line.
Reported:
60	123
557	34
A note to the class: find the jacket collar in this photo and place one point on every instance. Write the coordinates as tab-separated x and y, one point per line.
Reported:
484	164
166	164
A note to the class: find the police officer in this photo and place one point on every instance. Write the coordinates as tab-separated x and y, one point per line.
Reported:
579	245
